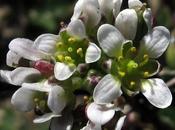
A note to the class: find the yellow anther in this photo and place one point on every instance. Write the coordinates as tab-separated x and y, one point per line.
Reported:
146	74
60	58
120	58
80	52
145	57
133	49
121	73
59	44
71	65
68	58
36	99
85	98
71	40
132	83
70	49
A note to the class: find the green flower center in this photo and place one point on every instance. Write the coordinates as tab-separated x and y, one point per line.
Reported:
71	50
130	68
40	103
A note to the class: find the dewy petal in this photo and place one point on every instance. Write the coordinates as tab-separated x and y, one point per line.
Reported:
120	123
12	59
22	99
157	92
63	71
147	15
77	28
134	3
20	75
46	42
24	48
93	53
99	115
39	86
110	40
126	22
156	42
107	90
64	122
45	117
56	99
117	7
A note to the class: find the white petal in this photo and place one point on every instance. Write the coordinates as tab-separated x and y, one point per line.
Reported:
117	7
63	71
107	90
147	15
120	123
24	48
56	100
22	99
91	126
45	117
12	59
78	10
157	92
134	3
110	40
106	7
77	28
156	42
93	53
20	75
46	42
64	122
40	86
88	10
126	22
99	115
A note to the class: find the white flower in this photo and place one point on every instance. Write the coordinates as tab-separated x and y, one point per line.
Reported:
137	69
88	11
100	115
33	96
74	49
127	21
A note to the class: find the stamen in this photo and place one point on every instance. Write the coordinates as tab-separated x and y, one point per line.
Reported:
145	57
146	74
120	58
70	49
121	73
80	52
133	49
60	58
71	40
68	59
132	83
59	44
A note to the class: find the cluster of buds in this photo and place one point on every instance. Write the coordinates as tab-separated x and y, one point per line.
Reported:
103	52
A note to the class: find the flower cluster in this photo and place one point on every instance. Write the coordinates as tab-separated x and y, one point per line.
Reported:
76	78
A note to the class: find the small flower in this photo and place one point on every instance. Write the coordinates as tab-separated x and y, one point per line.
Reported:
46	99
88	11
132	66
72	49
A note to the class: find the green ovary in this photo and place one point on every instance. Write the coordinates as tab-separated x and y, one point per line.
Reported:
71	50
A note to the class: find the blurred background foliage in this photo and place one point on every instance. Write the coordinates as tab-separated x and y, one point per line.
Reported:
21	18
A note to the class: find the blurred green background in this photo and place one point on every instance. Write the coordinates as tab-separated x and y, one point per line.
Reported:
21	18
